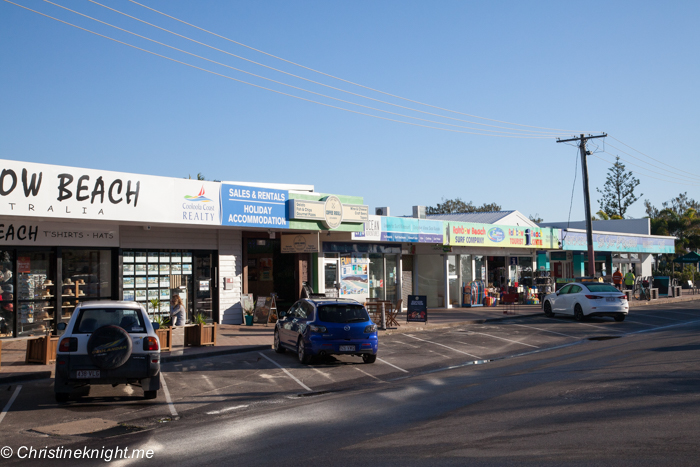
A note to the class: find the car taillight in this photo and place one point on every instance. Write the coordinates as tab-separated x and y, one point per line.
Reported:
594	297
150	343
622	297
68	344
314	328
371	328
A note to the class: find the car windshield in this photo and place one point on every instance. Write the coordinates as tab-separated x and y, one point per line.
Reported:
601	288
90	319
342	313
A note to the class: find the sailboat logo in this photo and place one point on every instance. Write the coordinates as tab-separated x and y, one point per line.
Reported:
199	198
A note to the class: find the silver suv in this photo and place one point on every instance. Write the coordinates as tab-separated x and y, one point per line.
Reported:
108	342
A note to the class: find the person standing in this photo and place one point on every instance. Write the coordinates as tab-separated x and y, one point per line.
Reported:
617	278
629	280
177	311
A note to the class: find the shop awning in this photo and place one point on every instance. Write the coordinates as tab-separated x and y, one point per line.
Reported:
691	257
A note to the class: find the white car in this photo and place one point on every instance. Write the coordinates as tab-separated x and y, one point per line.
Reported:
107	342
584	299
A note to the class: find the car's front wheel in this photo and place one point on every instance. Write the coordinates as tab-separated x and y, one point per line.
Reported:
304	358
578	313
619	318
277	345
368	358
548	310
150	394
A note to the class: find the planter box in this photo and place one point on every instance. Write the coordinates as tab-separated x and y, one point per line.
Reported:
41	350
200	334
165	336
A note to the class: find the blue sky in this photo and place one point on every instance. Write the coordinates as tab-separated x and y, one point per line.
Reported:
627	68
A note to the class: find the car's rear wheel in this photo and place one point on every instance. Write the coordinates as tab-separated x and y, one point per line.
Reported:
548	310
150	394
277	345
620	318
304	358
62	397
368	358
578	313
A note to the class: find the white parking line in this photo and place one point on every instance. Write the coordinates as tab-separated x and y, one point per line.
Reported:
546	330
404	343
173	412
442	345
665	327
371	376
660	317
637	322
9	403
285	370
227	409
601	327
390	364
503	338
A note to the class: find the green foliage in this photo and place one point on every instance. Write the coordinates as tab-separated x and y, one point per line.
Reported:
155	303
248	307
163	321
457	205
618	191
199	318
536	218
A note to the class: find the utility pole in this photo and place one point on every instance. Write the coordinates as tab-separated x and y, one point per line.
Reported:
586	196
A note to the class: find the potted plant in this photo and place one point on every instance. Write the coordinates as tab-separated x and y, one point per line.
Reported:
200	333
164	332
248	310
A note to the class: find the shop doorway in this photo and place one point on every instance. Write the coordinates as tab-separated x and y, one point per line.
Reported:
331	277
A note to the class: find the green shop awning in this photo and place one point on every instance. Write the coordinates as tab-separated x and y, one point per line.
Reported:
691	257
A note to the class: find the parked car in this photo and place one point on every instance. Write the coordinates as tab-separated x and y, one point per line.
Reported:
108	342
584	299
327	326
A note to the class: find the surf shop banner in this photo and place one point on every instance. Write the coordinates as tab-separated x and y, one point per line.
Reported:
472	234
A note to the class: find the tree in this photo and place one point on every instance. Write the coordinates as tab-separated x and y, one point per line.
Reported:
618	191
457	205
199	176
536	218
603	216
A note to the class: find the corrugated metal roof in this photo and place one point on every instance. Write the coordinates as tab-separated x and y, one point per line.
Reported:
476	217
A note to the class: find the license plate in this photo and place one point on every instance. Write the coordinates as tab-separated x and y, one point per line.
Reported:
347	348
610	299
87	374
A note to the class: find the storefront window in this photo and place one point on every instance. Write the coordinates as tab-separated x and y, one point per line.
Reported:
466	265
391	272
376	276
91	271
35	290
479	265
7	306
431	279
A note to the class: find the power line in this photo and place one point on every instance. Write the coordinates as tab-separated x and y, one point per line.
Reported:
263	87
674	172
645	155
282	83
293	75
644	174
344	80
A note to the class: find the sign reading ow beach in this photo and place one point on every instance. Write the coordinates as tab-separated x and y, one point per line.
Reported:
330	212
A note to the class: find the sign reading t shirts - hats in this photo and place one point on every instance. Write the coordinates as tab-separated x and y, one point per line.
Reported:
417	308
254	206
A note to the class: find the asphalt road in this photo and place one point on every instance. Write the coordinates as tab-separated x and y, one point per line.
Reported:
528	391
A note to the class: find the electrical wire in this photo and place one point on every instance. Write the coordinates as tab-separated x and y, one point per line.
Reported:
571	205
291	74
280	82
645	155
347	81
265	88
674	172
644	174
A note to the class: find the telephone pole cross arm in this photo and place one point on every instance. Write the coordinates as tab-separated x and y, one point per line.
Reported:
586	196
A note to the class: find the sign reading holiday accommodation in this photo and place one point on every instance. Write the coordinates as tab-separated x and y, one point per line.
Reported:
254	206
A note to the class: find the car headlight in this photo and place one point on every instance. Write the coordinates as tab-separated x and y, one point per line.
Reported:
315	328
371	328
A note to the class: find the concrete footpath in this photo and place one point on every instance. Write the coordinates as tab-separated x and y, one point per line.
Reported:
233	338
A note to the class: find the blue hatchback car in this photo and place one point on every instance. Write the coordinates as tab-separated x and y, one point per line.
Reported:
327	326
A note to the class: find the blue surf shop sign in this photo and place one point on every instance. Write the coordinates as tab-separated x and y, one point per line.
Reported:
251	206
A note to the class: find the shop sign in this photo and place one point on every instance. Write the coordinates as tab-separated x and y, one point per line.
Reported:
330	211
576	241
254	206
417	308
354	274
40	233
471	234
372	230
300	243
40	190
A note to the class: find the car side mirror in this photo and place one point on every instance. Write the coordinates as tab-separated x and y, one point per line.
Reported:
558	292
282	314
156	326
61	326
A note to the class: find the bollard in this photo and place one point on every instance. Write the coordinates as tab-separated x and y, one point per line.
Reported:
383	318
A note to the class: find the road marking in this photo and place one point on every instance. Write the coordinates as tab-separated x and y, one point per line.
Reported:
227	409
545	330
285	370
503	338
405	343
601	327
665	327
443	345
384	361
9	403
371	376
173	412
637	322
660	317
321	373
681	313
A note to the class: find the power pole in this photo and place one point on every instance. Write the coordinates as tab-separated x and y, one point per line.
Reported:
586	197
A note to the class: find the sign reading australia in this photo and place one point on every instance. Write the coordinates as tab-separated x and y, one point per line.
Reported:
254	206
